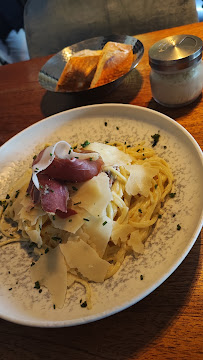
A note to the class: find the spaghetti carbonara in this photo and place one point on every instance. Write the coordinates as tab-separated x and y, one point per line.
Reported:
85	211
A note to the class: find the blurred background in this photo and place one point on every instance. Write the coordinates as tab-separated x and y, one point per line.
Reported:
13	41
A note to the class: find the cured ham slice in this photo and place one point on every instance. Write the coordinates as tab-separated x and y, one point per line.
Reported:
53	195
61	162
69	212
74	170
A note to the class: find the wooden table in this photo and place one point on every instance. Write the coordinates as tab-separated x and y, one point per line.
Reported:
167	324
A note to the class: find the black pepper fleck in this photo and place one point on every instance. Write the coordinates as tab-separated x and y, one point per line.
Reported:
84	304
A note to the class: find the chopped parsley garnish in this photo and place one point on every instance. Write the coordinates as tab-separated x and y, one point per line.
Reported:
34	157
165	147
117	128
46	250
128	146
79	202
17	193
141	277
7	196
74	188
159	216
178	227
33	263
51	190
56	238
140	211
155	186
90	159
85	143
54	218
155	137
75	147
138	150
70	220
1	237
84	304
4	207
37	285
104	223
41	186
69	151
10	289
172	195
105	123
174	215
40	290
86	219
54	306
50	154
76	157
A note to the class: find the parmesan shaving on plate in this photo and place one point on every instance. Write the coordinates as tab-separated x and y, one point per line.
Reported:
51	271
85	213
111	155
94	195
140	179
84	258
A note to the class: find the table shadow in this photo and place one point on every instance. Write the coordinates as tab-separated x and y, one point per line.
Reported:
53	102
176	112
119	337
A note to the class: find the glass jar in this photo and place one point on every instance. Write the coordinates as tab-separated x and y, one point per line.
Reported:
176	76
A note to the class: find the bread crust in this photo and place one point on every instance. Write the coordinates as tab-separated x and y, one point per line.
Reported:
115	61
92	68
79	71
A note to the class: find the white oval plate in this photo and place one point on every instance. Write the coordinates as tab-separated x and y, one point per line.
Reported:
166	247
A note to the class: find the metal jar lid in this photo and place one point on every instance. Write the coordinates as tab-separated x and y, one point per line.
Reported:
175	52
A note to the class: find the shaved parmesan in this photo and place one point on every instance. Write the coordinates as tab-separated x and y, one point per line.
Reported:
99	231
94	195
83	257
136	243
32	214
34	236
51	271
140	179
70	224
110	154
121	231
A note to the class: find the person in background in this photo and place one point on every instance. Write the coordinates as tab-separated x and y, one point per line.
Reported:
13	45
